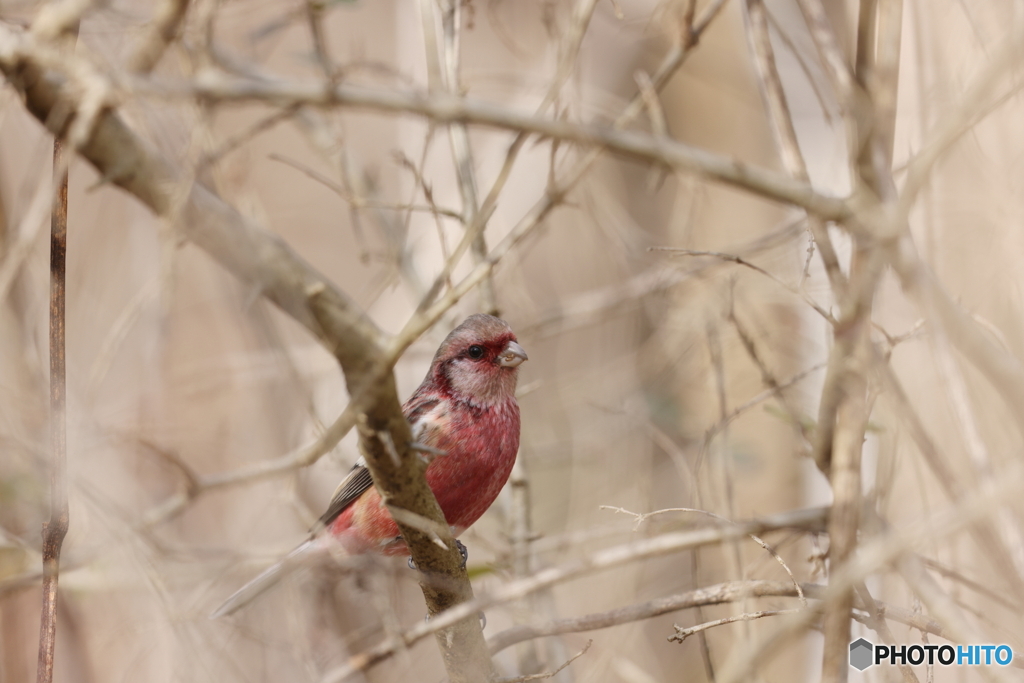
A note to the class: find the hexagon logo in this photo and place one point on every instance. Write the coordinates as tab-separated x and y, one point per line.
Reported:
861	654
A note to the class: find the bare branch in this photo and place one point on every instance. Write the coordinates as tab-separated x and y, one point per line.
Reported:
549	674
443	108
159	35
785	133
757	269
955	487
885	548
642	517
56	528
808	519
682	634
701	597
458	137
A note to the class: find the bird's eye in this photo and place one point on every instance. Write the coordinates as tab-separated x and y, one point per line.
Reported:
476	351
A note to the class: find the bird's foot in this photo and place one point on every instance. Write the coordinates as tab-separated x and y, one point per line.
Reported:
426	453
463	551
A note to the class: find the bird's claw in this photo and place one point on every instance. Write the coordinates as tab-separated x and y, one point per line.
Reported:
463	551
425	452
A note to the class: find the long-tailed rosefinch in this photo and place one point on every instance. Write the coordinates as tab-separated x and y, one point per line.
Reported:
465	407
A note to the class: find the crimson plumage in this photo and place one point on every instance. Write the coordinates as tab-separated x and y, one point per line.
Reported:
465	407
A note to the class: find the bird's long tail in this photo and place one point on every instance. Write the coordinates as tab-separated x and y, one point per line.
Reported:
294	560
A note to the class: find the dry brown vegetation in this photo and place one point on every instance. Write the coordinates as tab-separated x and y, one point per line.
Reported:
764	256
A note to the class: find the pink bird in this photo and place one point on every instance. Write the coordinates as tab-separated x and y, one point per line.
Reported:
465	407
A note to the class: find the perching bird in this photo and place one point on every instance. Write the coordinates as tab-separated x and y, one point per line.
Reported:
465	407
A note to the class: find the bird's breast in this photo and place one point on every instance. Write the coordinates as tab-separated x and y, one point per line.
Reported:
480	447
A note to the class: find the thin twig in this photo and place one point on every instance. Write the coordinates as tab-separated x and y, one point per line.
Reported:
682	634
520	535
758	399
607	558
443	108
732	258
458	137
56	527
883	549
549	674
768	378
314	20
158	36
785	133
642	517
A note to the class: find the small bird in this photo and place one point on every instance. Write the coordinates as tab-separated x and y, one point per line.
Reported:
466	409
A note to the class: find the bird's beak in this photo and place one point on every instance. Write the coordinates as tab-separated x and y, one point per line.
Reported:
512	355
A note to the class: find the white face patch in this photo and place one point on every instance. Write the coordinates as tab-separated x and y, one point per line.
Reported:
481	383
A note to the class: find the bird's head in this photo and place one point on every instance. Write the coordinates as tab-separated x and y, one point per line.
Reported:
479	361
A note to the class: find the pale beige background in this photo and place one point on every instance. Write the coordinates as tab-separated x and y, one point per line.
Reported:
166	352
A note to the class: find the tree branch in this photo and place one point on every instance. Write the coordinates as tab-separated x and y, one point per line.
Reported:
808	519
445	108
54	89
56	528
785	132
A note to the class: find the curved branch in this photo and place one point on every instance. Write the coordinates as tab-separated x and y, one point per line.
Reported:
447	109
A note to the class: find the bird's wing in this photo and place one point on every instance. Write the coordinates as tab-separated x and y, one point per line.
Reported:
417	411
350	488
418	407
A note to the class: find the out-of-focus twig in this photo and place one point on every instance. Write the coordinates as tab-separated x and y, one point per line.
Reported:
758	399
556	192
158	35
812	519
18	250
883	549
642	517
738	260
682	633
549	674
785	132
458	134
710	595
520	538
707	596
955	487
443	108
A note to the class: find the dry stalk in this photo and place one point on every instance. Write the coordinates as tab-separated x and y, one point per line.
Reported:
56	527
